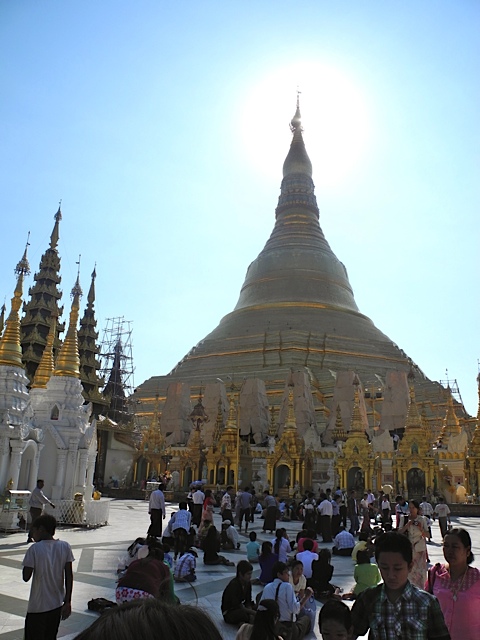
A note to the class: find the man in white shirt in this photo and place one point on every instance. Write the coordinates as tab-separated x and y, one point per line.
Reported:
230	539
344	543
226	504
307	557
427	511
37	501
442	510
198	500
156	509
282	592
325	511
49	561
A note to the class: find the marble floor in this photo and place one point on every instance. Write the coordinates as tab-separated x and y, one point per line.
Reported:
98	551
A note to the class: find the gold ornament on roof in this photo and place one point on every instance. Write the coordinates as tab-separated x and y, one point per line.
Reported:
10	349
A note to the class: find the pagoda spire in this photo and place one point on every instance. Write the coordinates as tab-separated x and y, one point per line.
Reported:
297	160
47	364
10	348
56	229
413	421
68	361
2	318
451	424
356	424
339	432
44	301
291	422
88	351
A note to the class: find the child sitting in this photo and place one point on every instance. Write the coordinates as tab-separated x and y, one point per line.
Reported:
253	548
397	608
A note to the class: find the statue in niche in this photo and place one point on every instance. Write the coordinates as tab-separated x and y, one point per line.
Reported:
414	449
175	480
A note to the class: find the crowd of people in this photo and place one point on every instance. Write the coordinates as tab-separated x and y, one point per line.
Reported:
394	594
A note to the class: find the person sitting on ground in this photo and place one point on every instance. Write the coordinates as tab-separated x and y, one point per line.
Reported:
335	621
299	584
253	548
180	525
344	543
229	536
304	535
281	545
147	619
167	556
168	537
396	608
264	625
145	578
237	604
322	572
211	547
267	559
282	591
361	545
366	575
307	557
185	567
297	579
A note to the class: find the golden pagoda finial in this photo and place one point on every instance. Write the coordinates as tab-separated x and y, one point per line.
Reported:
339	432
10	349
68	360
413	420
272	429
47	363
232	413
451	423
356	424
297	160
56	231
218	423
291	422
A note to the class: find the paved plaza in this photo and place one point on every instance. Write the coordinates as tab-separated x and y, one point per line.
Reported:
97	553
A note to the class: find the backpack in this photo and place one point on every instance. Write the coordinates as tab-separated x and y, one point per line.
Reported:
100	604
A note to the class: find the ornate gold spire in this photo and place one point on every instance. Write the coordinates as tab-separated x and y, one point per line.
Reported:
413	420
68	361
339	432
291	422
218	424
451	424
47	364
10	349
297	160
56	229
232	413
356	424
273	427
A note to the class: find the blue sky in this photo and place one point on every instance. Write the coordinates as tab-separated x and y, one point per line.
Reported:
163	128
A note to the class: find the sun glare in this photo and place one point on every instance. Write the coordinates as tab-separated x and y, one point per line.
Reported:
335	119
